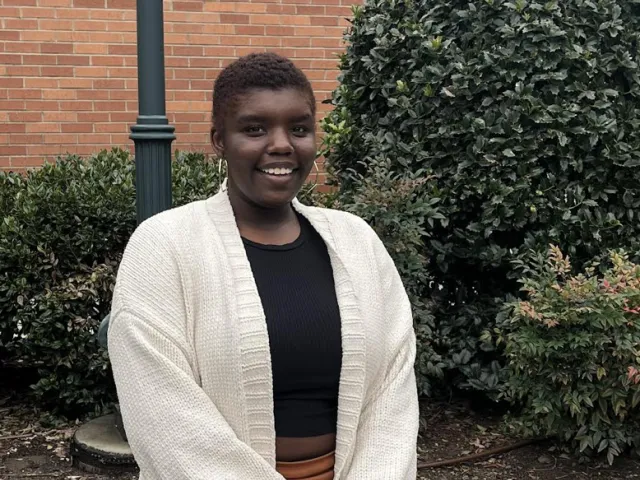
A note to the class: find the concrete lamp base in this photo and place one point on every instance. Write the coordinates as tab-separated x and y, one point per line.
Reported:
98	447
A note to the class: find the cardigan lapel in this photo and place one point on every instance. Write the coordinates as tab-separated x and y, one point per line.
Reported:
254	349
352	376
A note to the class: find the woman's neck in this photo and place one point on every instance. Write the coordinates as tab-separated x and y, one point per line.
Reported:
274	226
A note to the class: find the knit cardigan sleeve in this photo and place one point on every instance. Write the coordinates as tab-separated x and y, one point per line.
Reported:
174	429
388	430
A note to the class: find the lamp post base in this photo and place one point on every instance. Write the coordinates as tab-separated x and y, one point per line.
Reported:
98	447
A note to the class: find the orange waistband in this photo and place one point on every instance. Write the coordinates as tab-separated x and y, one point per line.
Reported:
320	468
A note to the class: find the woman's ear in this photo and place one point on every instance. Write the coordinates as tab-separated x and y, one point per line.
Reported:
217	142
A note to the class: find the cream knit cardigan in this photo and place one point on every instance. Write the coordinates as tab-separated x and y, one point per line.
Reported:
190	351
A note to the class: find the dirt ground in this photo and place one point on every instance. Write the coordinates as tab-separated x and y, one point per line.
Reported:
28	450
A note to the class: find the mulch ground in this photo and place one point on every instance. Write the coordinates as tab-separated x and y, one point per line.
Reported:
30	450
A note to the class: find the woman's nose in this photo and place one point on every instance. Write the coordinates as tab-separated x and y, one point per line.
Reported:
279	142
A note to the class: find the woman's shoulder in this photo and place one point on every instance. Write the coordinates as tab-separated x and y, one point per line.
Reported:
176	228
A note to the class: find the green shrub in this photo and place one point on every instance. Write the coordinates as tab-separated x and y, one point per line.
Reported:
64	229
572	353
524	119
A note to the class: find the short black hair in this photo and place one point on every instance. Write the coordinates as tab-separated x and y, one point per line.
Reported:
257	70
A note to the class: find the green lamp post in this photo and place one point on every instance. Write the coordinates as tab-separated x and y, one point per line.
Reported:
152	134
101	445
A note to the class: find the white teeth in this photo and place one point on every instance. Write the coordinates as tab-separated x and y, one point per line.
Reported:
277	171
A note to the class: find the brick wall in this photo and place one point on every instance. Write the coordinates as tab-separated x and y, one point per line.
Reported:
68	78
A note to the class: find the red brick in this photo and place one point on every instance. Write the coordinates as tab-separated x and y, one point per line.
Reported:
267	20
90	26
109	106
110	128
188	28
123	50
26	162
93	117
296	42
188	73
56	48
14	150
6	35
39	59
194	96
57	71
89	3
121	26
59	116
310	9
77	128
130	61
75	83
23	93
19	3
108	84
12	128
235	40
200	85
219	7
122	4
66	25
281	9
250	29
108	15
194	6
266	41
38	36
92	94
327	42
188	51
60	139
41	105
73	60
92	48
123	95
216	28
11	82
279	31
124	117
41	82
106	37
340	11
24	139
111	60
329	21
20	71
76	106
39	13
234	18
25	117
203	62
40	127
10	59
251	7
94	72
55	3
177	85
311	31
95	139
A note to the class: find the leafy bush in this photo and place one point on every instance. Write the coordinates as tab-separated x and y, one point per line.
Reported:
572	353
64	229
522	117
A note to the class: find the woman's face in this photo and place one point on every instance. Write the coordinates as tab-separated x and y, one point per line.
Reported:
269	143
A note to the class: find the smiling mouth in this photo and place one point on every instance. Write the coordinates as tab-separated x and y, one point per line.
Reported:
278	172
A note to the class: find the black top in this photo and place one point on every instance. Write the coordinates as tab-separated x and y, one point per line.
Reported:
296	286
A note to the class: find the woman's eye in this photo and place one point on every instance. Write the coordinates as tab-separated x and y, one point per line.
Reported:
254	130
300	130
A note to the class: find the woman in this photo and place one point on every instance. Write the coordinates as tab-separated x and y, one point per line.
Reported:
253	337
